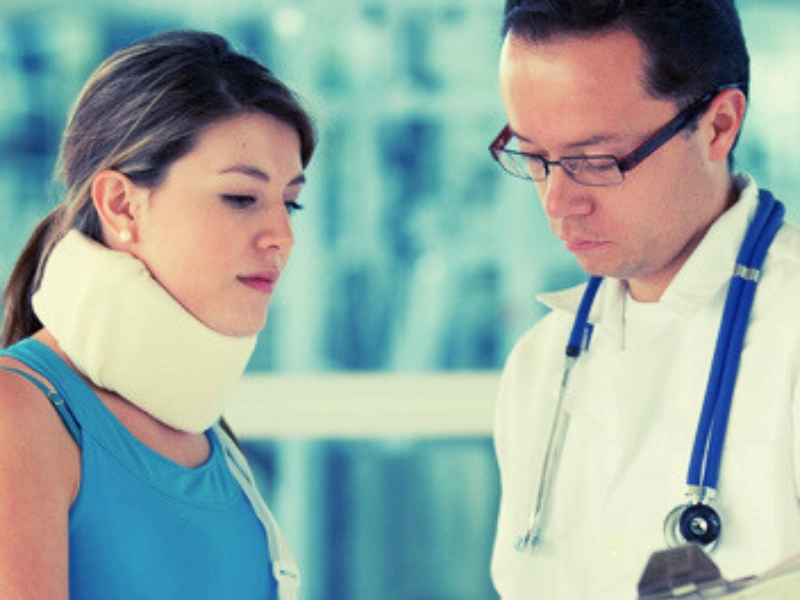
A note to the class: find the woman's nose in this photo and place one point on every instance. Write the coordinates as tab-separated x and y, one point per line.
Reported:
276	233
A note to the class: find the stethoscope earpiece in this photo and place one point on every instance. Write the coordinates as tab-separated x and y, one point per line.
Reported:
693	523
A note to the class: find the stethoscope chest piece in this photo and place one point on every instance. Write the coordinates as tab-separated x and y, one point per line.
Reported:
696	523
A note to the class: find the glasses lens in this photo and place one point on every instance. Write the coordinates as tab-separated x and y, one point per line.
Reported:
593	170
526	166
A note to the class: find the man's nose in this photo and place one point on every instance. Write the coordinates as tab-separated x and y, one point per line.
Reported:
561	196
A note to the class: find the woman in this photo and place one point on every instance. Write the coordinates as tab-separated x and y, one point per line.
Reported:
132	311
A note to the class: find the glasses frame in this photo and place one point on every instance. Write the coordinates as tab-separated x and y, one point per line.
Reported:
628	162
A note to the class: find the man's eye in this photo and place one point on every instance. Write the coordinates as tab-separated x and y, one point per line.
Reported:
601	165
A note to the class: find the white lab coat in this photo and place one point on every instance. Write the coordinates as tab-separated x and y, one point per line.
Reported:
636	397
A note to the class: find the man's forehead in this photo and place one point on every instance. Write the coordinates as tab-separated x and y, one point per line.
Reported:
586	90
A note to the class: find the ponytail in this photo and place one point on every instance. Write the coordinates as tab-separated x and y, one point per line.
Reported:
20	320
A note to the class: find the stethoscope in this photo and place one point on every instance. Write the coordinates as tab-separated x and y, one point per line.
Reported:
696	521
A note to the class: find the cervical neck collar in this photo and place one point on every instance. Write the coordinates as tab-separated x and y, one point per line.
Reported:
128	335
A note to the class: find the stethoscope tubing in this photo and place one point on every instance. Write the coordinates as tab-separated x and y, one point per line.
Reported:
706	458
558	430
578	333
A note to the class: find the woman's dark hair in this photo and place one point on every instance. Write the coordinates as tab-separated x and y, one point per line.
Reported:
693	46
141	110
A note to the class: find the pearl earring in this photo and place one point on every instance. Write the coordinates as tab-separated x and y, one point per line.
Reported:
125	236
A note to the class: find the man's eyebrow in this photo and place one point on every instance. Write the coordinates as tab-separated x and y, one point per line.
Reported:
594	140
519	136
257	173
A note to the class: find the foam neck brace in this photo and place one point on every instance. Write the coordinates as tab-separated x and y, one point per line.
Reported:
128	335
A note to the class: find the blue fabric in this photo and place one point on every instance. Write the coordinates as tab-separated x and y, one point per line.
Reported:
144	527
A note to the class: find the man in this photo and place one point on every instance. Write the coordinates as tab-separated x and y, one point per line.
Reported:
625	114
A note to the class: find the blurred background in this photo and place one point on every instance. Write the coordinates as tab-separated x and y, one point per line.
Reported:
367	405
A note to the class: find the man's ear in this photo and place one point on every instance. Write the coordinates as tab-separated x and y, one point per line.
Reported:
726	115
115	198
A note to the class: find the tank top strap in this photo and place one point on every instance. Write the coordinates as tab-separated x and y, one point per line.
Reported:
62	408
284	565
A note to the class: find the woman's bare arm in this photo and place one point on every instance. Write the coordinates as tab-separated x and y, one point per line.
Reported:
39	479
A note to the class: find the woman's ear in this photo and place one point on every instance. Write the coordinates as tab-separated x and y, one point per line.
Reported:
726	116
115	198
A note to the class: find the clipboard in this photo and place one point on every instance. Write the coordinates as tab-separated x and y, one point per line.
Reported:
688	573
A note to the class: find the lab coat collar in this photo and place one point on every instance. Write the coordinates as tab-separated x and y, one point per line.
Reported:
711	265
704	274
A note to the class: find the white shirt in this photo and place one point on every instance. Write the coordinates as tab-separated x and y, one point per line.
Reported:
636	396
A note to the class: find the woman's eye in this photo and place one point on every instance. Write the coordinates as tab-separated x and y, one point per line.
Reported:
239	200
292	206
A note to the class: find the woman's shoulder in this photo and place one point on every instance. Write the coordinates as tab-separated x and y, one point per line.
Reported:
25	391
32	434
40	477
20	397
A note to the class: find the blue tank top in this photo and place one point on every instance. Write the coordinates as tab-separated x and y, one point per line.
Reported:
143	527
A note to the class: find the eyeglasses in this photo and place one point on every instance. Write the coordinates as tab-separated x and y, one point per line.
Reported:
598	169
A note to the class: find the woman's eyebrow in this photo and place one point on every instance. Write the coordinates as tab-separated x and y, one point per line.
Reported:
299	180
248	170
256	173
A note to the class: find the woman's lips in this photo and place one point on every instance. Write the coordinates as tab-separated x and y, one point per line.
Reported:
261	282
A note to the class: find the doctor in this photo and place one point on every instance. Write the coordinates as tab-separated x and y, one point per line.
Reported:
625	113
